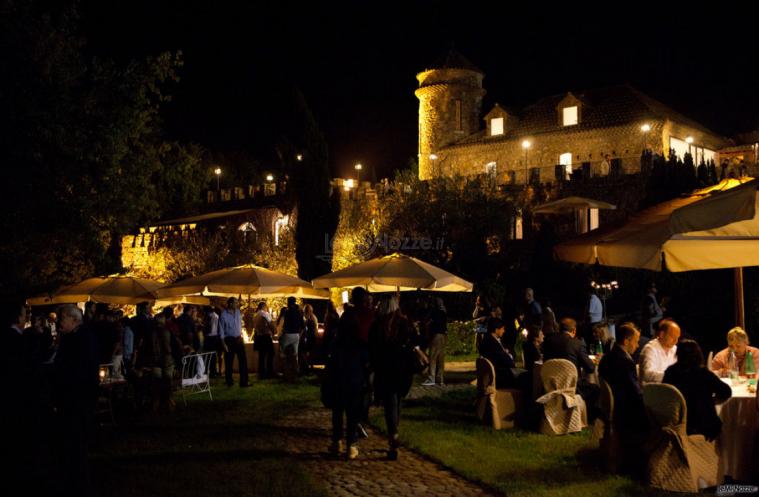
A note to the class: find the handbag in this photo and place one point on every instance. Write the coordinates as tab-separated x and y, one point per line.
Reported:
421	360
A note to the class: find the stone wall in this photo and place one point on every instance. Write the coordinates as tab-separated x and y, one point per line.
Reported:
439	120
624	143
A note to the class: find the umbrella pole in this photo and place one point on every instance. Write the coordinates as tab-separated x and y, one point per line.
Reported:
740	315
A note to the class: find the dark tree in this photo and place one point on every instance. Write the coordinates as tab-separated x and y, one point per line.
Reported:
81	148
304	156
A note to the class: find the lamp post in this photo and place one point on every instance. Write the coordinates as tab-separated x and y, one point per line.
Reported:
605	289
217	172
358	167
525	146
433	159
645	129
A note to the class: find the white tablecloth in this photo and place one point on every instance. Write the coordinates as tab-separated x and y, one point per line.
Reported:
737	443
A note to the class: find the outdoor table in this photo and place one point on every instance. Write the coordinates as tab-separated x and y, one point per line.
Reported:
252	357
737	442
109	388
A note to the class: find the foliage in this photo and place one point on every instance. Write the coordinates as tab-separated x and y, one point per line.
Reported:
460	338
81	148
208	250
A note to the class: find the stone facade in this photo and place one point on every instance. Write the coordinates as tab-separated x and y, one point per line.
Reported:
609	122
450	105
145	252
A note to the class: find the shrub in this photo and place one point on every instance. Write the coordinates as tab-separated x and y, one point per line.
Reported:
460	338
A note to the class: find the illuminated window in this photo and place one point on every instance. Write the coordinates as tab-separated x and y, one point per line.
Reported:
708	155
459	124
496	126
566	161
679	146
518	230
593	219
491	168
569	116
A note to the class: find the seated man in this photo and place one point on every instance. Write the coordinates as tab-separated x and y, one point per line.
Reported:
565	345
659	354
618	370
493	350
737	341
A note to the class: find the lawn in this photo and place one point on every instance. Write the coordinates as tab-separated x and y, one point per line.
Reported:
223	448
515	462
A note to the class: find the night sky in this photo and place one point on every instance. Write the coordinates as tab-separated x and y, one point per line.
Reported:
356	64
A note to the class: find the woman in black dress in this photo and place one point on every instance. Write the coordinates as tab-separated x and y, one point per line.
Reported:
700	387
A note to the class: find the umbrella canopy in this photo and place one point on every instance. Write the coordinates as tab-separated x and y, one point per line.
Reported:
569	204
183	299
395	272
115	289
714	228
243	280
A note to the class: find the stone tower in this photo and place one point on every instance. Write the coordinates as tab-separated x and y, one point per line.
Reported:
450	103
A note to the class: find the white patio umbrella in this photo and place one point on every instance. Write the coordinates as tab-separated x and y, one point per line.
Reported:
243	280
714	228
570	204
114	289
394	272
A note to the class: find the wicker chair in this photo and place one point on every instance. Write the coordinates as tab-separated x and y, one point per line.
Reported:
677	461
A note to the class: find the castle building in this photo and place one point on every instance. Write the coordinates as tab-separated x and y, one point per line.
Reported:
587	133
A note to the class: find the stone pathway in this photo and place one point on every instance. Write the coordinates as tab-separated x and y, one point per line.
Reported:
308	435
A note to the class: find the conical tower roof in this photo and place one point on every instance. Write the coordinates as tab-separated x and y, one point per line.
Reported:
452	59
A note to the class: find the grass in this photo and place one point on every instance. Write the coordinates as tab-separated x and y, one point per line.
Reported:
225	447
515	462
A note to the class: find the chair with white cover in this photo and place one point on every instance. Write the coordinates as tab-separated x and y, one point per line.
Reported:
564	410
677	461
499	406
196	374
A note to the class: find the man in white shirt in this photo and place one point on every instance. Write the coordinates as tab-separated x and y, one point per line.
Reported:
659	354
595	308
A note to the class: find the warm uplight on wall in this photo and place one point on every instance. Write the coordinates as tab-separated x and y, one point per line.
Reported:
348	184
433	157
526	144
280	225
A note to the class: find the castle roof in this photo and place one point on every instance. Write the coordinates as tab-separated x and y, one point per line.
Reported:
453	60
601	108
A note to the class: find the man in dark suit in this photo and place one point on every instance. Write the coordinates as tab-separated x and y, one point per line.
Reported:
565	345
618	370
493	350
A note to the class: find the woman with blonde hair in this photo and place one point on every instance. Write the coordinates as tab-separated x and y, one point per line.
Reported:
737	342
